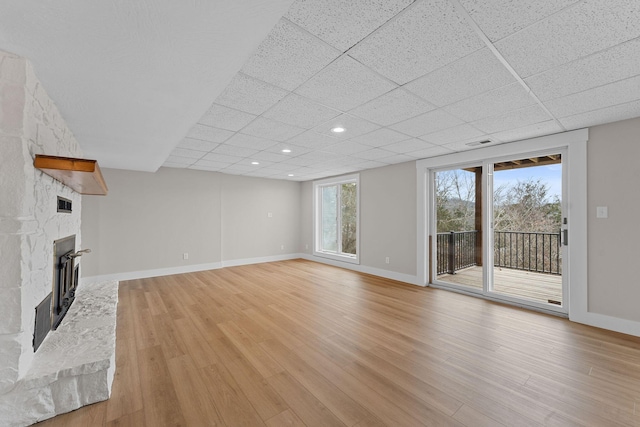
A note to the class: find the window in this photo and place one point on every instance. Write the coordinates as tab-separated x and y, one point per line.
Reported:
336	218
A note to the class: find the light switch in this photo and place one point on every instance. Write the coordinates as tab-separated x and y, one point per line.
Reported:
602	212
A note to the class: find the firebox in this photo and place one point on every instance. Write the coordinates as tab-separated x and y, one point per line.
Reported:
65	278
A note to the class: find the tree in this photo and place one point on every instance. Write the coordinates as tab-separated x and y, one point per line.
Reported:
349	214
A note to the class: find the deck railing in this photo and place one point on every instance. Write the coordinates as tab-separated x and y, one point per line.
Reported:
530	251
456	250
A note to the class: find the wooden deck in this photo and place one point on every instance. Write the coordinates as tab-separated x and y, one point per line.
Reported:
517	283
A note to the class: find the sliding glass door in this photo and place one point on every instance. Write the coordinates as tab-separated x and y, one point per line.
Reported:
500	229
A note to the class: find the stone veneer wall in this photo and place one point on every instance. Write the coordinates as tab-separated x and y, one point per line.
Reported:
29	124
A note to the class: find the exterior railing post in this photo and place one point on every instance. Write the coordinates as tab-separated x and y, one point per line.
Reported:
452	252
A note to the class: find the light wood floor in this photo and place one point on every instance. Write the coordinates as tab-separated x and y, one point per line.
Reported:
298	343
517	283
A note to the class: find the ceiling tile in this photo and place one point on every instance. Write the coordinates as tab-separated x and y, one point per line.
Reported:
289	56
499	18
231	150
493	103
454	134
344	84
573	33
397	158
427	123
312	139
347	148
212	165
370	164
180	160
426	36
300	111
247	94
176	162
197	144
248	141
207	133
223	117
603	115
239	168
594	99
472	75
373	154
408	146
219	157
300	161
169	164
270	157
192	154
343	23
205	168
531	131
392	107
272	129
354	126
512	120
592	71
426	153
380	137
318	156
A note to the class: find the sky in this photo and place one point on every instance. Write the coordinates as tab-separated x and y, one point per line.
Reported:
551	174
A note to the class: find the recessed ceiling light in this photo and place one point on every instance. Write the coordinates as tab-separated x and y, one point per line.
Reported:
255	163
286	150
290	174
338	130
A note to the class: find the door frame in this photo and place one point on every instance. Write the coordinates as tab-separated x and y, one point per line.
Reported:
575	167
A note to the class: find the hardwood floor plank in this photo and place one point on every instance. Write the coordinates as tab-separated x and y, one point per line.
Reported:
258	391
129	420
192	389
472	418
258	358
345	408
309	409
126	394
285	419
300	343
161	405
235	408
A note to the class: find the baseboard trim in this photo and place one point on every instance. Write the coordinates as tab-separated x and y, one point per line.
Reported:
143	274
400	277
260	260
610	323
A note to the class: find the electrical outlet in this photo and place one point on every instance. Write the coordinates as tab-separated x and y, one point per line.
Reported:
282	247
306	246
185	255
269	214
386	260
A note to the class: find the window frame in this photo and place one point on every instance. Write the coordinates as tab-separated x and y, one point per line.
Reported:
317	218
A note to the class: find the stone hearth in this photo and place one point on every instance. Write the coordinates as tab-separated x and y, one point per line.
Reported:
75	364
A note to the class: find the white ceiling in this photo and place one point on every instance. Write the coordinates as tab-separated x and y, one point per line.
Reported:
198	85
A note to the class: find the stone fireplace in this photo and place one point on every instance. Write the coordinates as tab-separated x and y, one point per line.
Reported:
30	222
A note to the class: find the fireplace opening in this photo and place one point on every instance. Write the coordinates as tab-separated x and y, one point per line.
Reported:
64	287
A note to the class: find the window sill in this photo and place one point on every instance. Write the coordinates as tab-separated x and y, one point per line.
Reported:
354	259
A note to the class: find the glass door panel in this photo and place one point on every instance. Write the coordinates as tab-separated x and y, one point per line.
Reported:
458	212
527	219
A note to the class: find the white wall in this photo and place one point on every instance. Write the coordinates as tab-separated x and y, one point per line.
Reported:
614	243
149	220
387	221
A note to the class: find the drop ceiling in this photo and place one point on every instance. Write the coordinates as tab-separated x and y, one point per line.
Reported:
205	86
